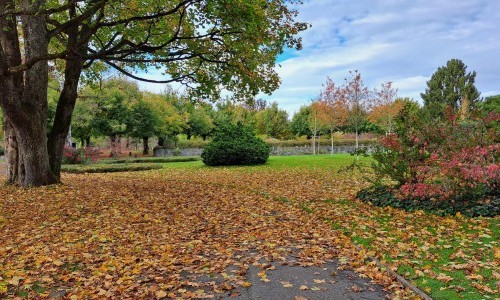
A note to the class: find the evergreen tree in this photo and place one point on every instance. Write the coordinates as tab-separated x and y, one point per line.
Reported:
451	86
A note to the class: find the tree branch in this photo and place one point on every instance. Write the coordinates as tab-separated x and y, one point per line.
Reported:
148	17
176	79
29	64
35	11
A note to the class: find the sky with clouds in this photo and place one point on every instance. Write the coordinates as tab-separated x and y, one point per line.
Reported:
390	40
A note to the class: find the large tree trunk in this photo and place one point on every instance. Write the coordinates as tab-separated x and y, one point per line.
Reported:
11	153
145	145
64	111
33	168
67	100
24	98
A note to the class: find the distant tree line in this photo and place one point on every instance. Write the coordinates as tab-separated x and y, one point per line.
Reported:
115	108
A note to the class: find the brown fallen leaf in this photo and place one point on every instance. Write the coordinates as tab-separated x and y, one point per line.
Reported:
286	284
444	278
355	288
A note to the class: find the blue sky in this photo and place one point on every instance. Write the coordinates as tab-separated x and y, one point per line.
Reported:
389	40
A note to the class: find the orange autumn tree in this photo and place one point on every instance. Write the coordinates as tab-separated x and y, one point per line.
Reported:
331	108
385	107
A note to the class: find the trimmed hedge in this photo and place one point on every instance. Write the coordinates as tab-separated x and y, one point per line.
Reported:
235	145
109	168
150	160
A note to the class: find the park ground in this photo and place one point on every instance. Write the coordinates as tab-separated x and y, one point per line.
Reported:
162	233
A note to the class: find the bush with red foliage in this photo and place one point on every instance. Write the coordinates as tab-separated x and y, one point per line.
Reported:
447	160
84	155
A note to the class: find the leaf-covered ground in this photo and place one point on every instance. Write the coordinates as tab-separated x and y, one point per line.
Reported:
155	233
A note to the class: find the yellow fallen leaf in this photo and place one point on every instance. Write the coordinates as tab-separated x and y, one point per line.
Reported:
161	294
475	277
497	252
3	287
303	288
15	280
57	262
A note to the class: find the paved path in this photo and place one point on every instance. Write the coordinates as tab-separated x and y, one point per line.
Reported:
288	280
296	282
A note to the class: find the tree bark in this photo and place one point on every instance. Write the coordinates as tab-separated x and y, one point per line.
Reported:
11	152
24	98
64	111
161	141
34	169
113	145
357	143
331	132
145	145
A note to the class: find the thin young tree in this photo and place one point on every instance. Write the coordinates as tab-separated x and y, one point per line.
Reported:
313	121
384	107
332	109
357	96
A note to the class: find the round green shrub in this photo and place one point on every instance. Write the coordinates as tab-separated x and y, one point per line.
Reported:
235	145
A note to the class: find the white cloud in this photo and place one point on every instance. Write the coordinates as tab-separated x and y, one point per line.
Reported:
390	40
399	41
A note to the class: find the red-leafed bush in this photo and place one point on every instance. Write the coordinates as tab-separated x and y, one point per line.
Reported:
84	155
448	160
